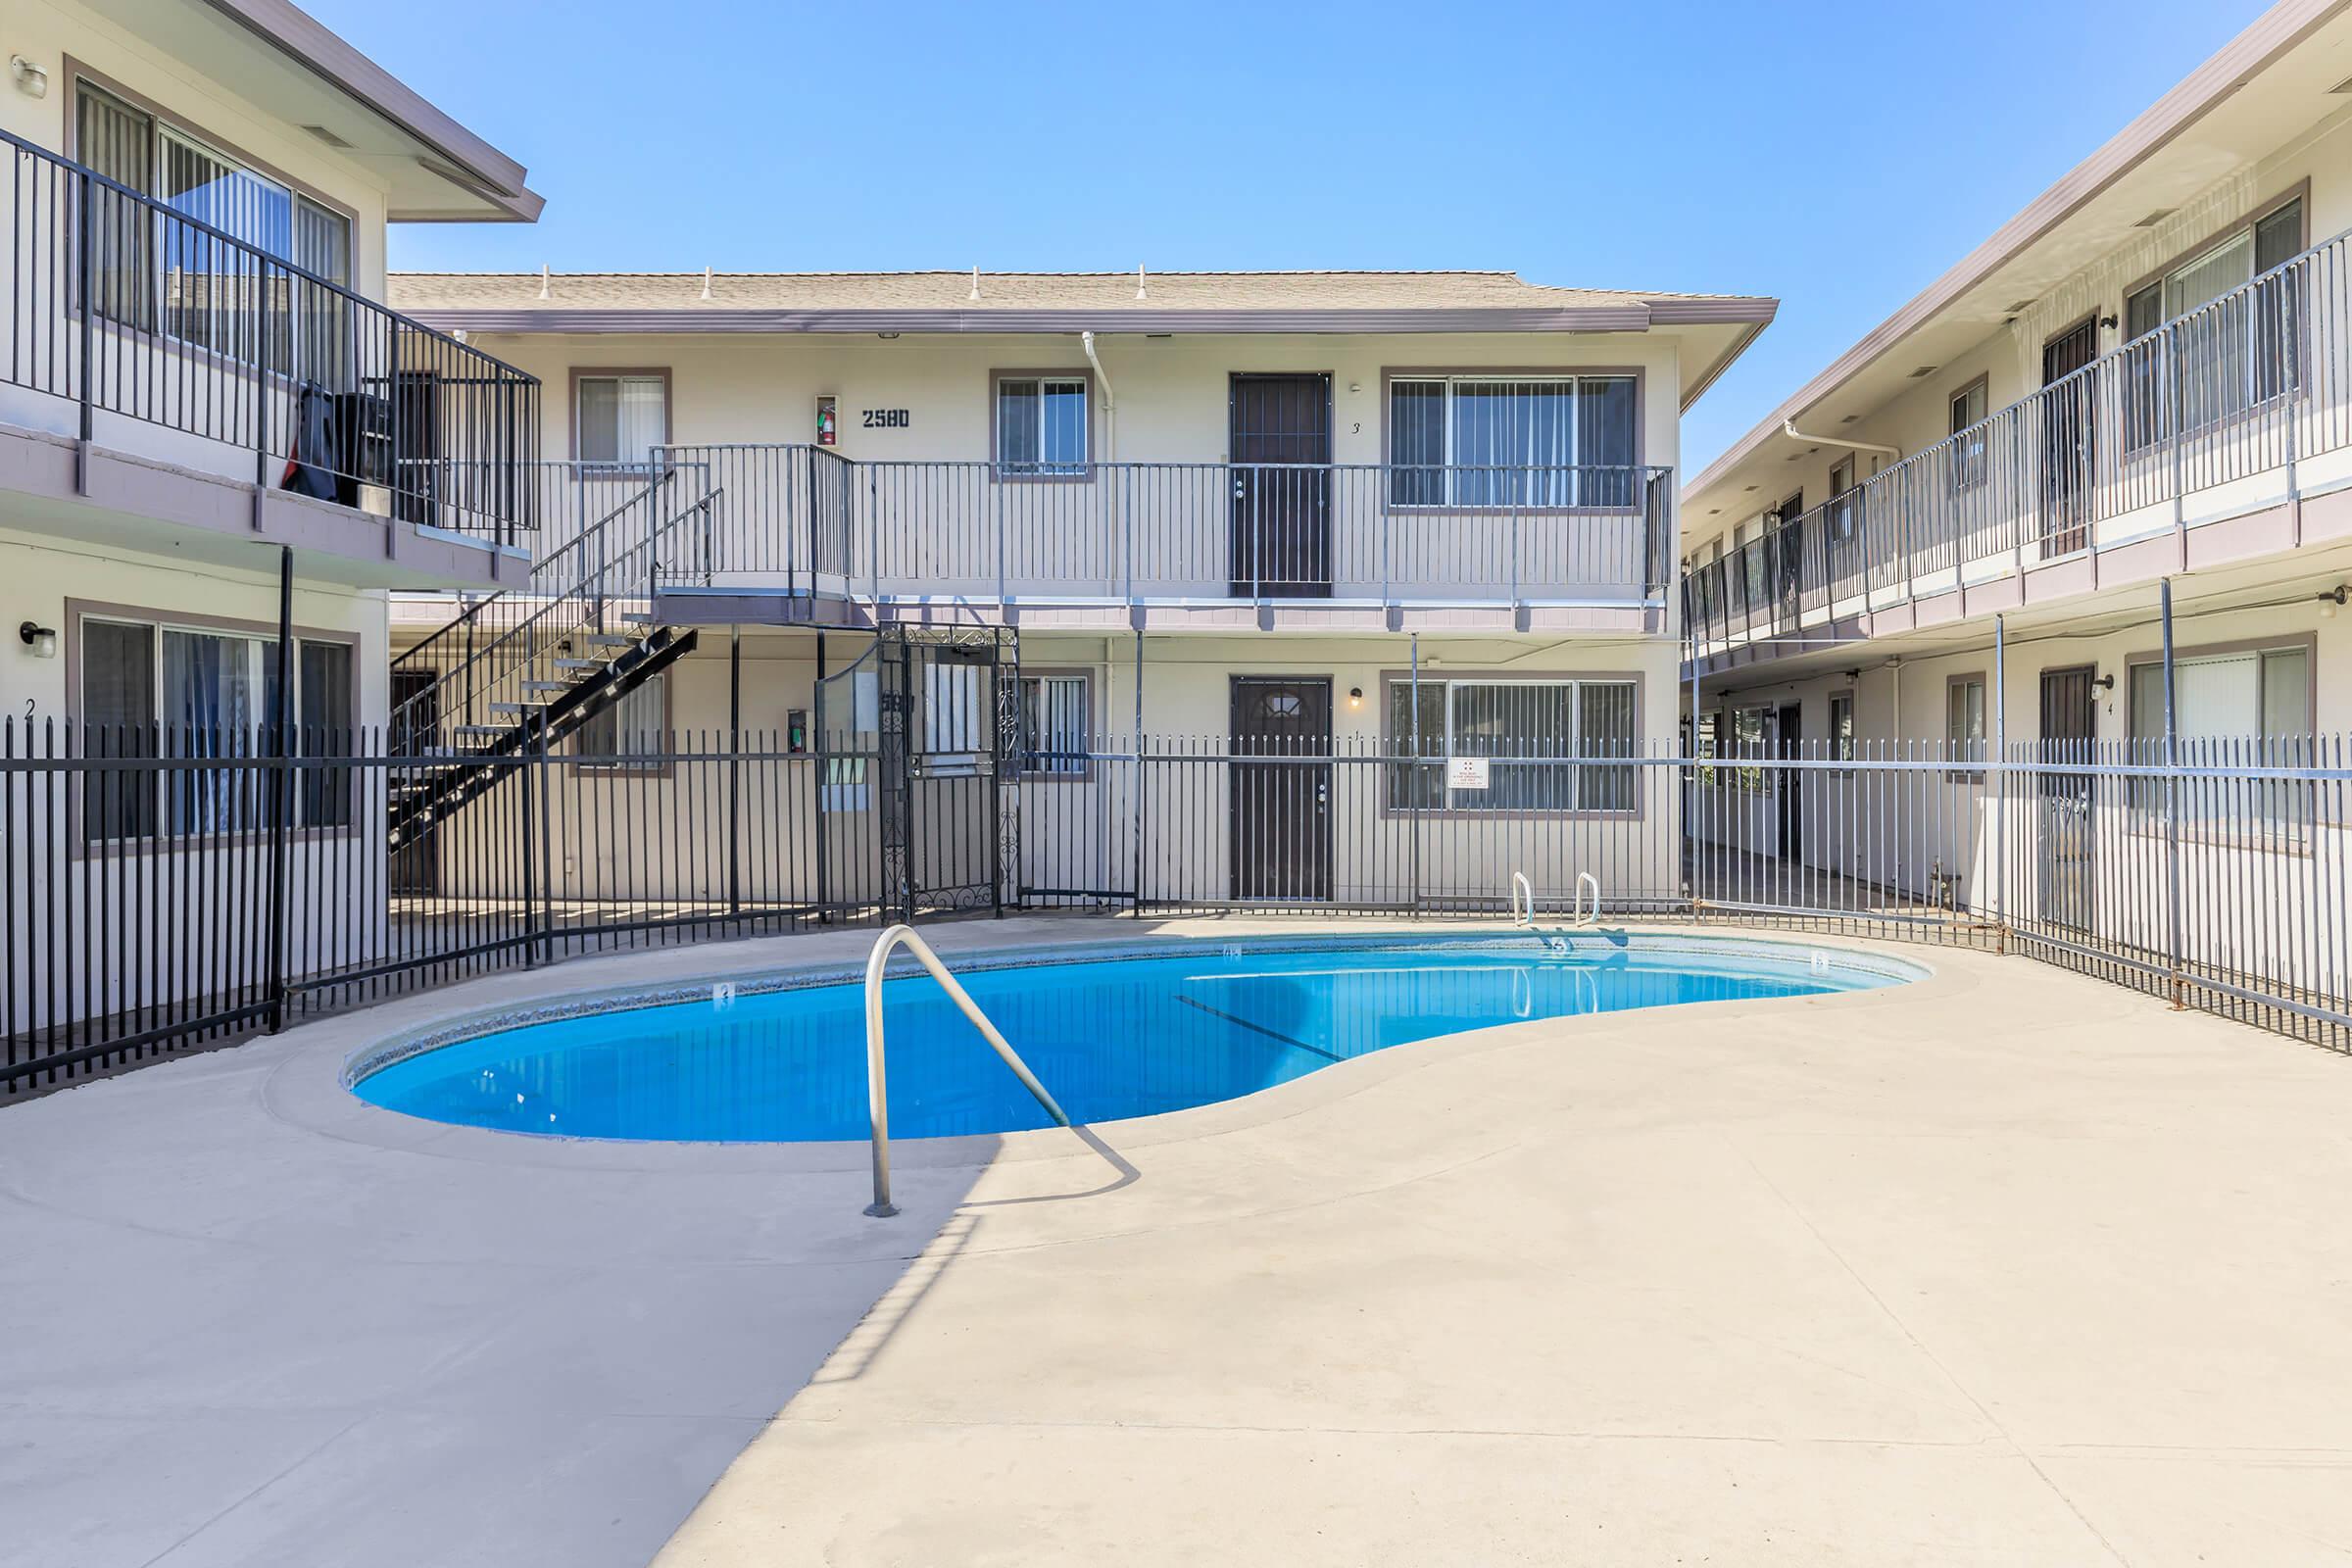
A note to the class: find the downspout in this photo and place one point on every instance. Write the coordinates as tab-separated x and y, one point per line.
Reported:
1788	428
1111	402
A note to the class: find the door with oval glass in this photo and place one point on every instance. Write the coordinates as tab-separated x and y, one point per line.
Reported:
1279	817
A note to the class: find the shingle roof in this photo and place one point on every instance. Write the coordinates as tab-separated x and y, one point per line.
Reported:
1037	300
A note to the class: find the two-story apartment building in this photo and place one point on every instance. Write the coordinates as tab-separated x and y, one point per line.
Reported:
1248	514
2143	377
220	451
197	369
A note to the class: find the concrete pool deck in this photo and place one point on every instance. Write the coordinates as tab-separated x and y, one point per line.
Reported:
2003	1266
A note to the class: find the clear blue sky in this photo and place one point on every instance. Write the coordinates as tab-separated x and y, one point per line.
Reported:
1739	148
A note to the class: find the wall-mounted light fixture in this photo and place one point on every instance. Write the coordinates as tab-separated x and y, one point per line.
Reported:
2333	600
42	640
32	79
1356	697
1849	674
2105	683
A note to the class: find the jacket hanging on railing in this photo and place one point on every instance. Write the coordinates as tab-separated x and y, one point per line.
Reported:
310	467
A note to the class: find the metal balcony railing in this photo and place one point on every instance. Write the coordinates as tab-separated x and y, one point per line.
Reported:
115	303
2242	403
803	520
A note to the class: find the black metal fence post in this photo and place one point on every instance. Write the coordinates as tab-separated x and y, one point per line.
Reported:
281	791
526	846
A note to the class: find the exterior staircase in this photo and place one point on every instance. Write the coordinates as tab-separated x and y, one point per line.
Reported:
517	673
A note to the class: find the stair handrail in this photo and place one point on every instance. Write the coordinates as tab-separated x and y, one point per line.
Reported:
877	1090
591	584
1576	910
475	607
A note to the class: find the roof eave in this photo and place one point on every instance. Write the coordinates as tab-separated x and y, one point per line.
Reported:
1631	318
311	44
2264	40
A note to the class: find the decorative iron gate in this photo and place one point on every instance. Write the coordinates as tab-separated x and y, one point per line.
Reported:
918	740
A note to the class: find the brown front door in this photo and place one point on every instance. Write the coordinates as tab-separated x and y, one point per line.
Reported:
1280	439
1280	818
417	865
2069	440
1793	816
2063	847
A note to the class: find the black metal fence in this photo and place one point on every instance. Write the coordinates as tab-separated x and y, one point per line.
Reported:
164	888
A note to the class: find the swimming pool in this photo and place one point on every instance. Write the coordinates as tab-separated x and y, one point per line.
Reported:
1112	1034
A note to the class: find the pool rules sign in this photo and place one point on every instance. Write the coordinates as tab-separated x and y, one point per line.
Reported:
1467	772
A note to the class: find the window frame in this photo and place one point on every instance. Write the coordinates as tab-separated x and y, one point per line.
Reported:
162	121
1968	467
262	636
1003	472
2145	800
1453	375
621	372
1394	742
1083	772
662	762
2146	431
1842	747
2304	643
1984	721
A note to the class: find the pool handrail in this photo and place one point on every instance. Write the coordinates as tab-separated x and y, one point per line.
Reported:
877	1087
1523	901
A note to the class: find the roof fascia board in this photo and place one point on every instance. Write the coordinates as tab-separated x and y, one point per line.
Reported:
308	42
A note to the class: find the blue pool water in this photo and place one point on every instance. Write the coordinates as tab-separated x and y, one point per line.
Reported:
1130	1035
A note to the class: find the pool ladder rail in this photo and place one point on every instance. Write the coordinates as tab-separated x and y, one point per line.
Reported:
1523	901
877	1090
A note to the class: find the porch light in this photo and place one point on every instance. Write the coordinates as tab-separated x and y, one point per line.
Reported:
1356	697
32	79
42	640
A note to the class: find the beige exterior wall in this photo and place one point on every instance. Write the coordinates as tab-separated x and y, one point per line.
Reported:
1170	392
43	575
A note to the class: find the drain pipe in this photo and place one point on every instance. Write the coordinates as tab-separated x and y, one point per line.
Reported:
1111	400
1790	429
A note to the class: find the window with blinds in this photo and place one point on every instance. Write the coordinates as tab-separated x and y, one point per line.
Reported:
214	290
621	419
1520	441
153	688
2253	706
629	735
2230	347
1542	740
1053	724
1040	427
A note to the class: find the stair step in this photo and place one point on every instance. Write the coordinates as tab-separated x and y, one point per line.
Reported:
580	663
481	729
603	639
547	685
635	618
516	707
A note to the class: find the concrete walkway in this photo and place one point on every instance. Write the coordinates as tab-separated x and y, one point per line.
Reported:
2004	1266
